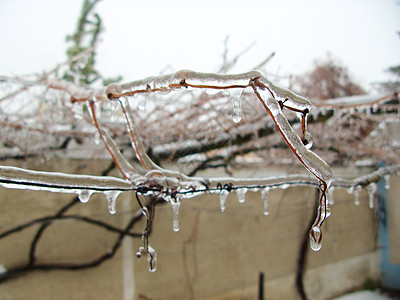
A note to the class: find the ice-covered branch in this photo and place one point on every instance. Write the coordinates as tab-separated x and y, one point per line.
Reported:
12	177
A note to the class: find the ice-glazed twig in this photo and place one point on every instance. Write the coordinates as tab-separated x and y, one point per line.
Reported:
12	177
273	98
121	163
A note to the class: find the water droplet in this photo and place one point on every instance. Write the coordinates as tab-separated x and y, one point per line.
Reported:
84	195
315	238
175	204
111	197
241	194
371	188
223	194
284	186
139	252
236	102
308	140
264	196
387	181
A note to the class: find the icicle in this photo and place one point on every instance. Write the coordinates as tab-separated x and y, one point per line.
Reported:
387	181
97	110
356	191
175	204
114	105
236	102
84	195
151	258
142	102
96	138
223	194
371	188
323	212
357	195
112	200
315	239
241	194
330	195
77	110
264	196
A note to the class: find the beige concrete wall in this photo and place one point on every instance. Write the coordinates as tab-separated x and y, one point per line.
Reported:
214	256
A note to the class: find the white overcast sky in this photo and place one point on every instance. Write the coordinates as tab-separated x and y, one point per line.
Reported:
141	38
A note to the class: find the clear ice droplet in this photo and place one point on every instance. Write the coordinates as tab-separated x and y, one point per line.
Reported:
114	110
387	181
264	196
84	195
175	204
151	258
308	140
222	199
111	197
357	195
371	189
315	238
241	194
142	102
236	103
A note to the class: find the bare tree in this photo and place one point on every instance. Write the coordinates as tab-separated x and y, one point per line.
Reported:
327	80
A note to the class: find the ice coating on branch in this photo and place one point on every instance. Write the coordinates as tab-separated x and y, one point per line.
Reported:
101	94
264	196
371	189
192	189
236	103
289	98
212	79
74	90
18	178
113	88
223	194
123	165
175	204
111	197
241	194
310	160
315	238
84	195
